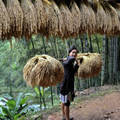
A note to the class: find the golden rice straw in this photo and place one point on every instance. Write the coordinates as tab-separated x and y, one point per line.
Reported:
115	20
4	21
89	64
75	11
92	20
68	20
57	66
41	16
52	24
55	22
0	30
101	18
43	70
118	13
61	26
112	16
55	25
85	17
16	17
33	71
29	19
109	21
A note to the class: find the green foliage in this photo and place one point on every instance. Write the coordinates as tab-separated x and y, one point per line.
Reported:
39	91
14	108
13	60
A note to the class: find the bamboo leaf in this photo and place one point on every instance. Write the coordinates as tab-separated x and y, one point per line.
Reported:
11	104
6	112
17	116
23	101
18	100
42	91
37	91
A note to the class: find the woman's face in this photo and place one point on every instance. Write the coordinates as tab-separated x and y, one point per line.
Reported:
73	53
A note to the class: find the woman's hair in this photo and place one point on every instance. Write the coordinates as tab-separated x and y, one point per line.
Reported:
72	48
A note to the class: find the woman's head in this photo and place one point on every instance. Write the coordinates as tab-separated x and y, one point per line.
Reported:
73	51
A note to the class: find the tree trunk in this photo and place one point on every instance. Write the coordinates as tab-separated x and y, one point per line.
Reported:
51	95
115	62
97	43
40	97
111	55
43	98
10	72
86	43
82	44
67	46
118	59
43	40
91	48
104	77
52	47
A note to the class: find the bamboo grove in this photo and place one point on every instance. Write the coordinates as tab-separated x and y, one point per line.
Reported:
58	18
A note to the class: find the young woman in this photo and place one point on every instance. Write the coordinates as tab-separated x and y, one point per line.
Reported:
67	86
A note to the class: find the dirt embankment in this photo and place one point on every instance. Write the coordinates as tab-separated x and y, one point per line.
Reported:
105	107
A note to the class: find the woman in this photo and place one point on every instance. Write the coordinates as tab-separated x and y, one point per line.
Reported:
67	86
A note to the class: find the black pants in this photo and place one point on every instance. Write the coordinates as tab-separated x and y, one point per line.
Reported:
67	104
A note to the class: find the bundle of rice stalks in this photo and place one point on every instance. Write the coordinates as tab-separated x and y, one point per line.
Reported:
55	21
41	16
109	21
101	18
43	70
29	19
89	64
112	16
4	21
75	11
85	17
16	17
92	20
52	22
115	20
118	13
67	19
61	26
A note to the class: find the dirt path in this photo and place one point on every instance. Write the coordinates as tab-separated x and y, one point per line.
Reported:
103	108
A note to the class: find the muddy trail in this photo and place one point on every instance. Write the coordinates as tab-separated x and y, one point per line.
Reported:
105	107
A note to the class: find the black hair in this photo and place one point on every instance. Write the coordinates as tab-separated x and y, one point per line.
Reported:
72	48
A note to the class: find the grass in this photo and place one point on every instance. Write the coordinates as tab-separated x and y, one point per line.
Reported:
39	115
78	100
98	93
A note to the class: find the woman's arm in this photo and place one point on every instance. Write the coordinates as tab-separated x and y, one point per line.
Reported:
76	66
70	60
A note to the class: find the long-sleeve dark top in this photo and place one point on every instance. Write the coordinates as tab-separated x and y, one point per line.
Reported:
70	69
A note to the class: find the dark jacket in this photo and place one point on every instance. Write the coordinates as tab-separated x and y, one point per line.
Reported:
70	69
